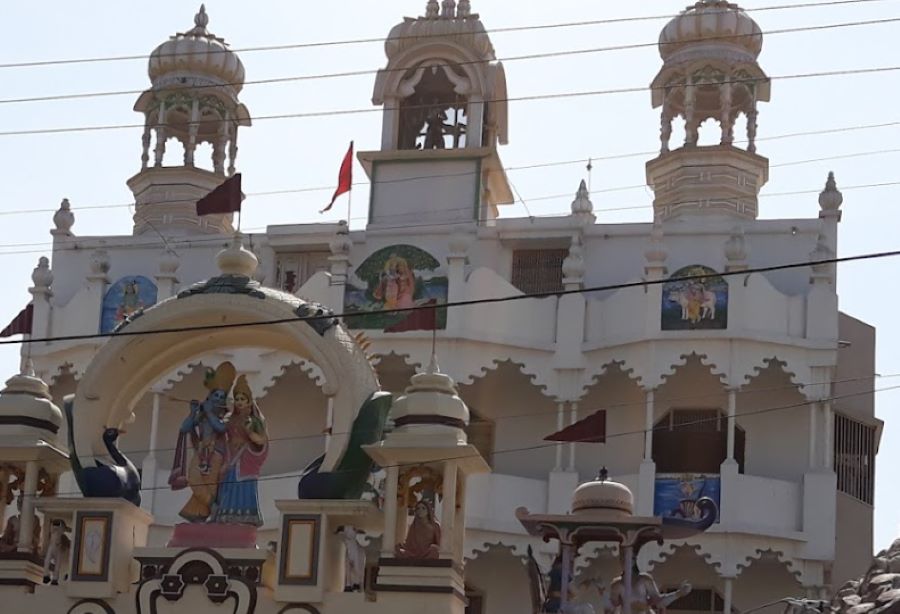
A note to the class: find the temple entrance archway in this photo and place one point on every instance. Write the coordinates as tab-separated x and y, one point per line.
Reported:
222	312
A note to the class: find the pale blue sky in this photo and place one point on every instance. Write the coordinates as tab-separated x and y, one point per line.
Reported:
90	168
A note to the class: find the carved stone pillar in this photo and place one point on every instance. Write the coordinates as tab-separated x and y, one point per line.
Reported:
232	151
752	126
26	520
145	143
726	119
691	126
448	508
161	135
194	126
389	538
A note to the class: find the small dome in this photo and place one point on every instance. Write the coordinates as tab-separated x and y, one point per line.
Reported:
467	31
430	410
603	495
236	259
711	23
196	53
27	411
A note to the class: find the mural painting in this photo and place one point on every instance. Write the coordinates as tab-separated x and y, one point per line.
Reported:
676	495
396	277
125	297
697	303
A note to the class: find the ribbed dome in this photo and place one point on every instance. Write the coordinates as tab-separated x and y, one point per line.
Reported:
468	32
27	411
603	495
197	52
711	22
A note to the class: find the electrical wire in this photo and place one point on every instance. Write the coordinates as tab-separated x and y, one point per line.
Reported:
526	98
383	39
531	448
404	69
73	244
327	316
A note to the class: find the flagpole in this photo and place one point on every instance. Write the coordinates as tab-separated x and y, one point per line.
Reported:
349	206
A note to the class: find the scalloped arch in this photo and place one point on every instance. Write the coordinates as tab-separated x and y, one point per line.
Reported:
387	84
749	559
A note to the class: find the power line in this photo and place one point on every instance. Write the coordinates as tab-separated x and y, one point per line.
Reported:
528	167
581	410
383	39
403	69
532	448
481	301
527	98
223	240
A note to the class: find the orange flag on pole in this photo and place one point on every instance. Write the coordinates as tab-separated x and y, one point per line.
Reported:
345	177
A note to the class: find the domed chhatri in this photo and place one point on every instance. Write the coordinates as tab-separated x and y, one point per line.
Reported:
27	411
603	495
198	52
710	22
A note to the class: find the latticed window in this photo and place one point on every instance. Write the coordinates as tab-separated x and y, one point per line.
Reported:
538	270
854	458
292	270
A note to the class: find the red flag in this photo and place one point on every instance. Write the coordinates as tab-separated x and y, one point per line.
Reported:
345	177
21	324
424	318
226	198
589	430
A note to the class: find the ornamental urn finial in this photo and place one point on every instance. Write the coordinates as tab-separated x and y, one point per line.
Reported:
432	9
464	9
341	243
42	276
831	199
236	259
573	267
448	9
63	219
201	19
582	207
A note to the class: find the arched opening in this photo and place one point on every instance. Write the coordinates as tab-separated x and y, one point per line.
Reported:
434	116
695	441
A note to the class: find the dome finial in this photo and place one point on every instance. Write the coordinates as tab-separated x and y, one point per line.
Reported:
201	19
831	199
603	475
432	10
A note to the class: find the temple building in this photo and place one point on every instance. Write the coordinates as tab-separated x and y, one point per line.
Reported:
290	422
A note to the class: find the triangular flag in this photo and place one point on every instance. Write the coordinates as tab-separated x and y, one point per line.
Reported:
226	198
345	178
589	430
21	324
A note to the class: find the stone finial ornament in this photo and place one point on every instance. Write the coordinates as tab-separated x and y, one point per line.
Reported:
656	251
831	199
341	243
573	266
201	20
42	276
582	207
168	262
100	263
448	9
432	10
736	246
464	9
236	259
63	219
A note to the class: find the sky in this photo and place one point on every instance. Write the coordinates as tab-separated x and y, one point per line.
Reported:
90	167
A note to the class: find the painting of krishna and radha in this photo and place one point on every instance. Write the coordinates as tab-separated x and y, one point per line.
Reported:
396	277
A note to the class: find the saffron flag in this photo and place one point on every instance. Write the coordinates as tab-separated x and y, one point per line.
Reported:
423	318
21	324
226	198
345	177
589	430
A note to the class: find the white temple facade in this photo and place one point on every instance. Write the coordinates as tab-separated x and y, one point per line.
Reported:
695	377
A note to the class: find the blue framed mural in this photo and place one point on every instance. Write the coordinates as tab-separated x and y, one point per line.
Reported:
697	303
676	495
396	277
126	296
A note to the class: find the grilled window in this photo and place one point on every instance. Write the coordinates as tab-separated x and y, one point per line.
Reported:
538	270
854	458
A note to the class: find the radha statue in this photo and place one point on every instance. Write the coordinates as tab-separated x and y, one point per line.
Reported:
204	429
247	445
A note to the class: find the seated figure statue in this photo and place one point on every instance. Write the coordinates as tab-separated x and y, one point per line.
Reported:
423	539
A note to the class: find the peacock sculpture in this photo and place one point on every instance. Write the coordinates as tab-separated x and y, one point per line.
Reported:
120	480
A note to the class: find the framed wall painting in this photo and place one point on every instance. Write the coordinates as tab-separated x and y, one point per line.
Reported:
92	544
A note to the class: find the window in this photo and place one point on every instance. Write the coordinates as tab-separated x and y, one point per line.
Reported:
292	270
538	270
694	441
854	458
